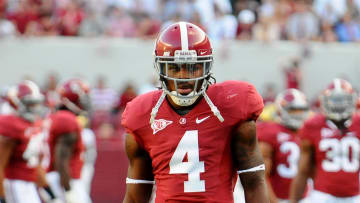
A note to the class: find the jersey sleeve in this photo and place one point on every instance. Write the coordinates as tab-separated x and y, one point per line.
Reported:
254	104
65	124
128	122
7	128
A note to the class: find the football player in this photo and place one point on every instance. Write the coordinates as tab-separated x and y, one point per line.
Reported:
330	145
65	143
192	137
279	143
21	138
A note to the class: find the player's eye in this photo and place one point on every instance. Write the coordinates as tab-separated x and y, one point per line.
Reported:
174	67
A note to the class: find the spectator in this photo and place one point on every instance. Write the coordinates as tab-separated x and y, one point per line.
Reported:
327	32
25	13
70	18
246	21
120	23
267	29
293	74
92	25
128	94
103	100
102	97
51	95
196	20
269	94
348	30
7	28
330	10
223	26
148	27
303	24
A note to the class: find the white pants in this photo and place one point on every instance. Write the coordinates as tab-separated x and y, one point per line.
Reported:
87	174
53	179
239	196
321	197
20	191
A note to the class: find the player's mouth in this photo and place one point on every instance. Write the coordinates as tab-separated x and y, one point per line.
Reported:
185	89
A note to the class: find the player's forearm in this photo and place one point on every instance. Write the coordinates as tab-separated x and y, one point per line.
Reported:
254	187
138	193
2	190
298	187
64	172
62	159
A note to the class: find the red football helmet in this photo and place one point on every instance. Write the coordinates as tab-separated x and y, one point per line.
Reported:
339	100
180	46
26	99
74	95
292	107
183	60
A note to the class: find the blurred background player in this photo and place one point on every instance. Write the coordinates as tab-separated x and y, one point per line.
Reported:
279	143
90	154
65	142
21	139
330	145
179	136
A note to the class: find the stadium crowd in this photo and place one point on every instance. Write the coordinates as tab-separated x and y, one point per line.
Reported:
267	20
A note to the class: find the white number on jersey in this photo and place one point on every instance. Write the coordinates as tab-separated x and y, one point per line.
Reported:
338	155
189	145
289	170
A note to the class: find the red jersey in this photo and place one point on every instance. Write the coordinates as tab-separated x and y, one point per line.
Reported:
65	122
191	154
26	153
336	155
286	153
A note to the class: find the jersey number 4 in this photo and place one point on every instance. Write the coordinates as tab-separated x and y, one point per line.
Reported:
189	145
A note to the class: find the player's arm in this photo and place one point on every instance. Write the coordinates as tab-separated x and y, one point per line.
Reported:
267	152
41	182
247	159
305	169
6	147
63	151
140	169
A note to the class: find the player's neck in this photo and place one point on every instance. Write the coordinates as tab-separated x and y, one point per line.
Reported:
181	110
341	125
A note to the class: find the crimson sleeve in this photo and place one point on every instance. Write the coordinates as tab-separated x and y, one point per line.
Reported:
254	104
64	124
126	122
7	128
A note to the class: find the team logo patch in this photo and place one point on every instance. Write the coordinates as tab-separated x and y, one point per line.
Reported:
159	124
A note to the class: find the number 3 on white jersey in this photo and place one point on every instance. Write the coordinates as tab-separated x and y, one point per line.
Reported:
189	144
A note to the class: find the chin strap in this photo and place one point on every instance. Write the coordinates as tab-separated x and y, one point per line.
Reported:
254	169
156	107
135	181
213	108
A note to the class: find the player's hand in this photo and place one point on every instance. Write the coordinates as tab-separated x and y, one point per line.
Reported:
70	197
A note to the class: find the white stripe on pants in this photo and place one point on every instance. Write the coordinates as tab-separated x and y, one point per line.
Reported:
20	191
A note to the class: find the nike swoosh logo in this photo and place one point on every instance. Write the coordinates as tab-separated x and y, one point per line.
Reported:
202	52
201	120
